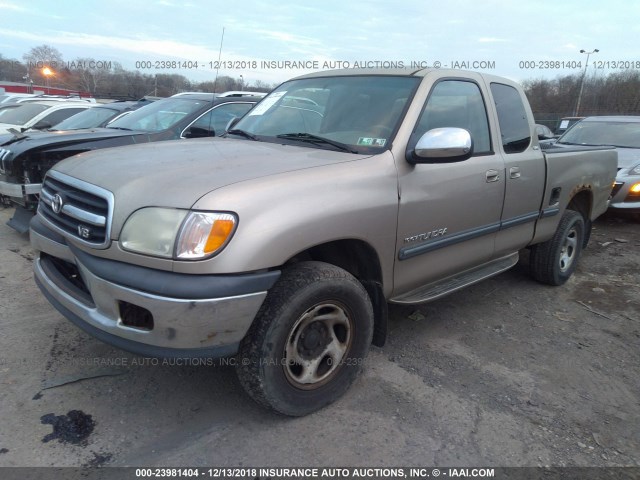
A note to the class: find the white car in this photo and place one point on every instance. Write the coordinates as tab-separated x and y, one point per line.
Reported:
10	97
40	115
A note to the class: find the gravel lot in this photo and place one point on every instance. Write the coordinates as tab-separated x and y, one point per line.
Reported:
505	373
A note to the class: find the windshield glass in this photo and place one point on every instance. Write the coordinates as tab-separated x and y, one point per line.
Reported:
619	134
22	114
5	109
159	115
89	118
360	111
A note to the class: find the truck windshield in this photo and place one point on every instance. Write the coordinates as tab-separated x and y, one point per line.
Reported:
159	115
617	134
358	113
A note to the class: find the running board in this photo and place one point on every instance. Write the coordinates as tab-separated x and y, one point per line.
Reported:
438	289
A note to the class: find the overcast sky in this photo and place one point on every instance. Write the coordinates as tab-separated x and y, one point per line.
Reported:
490	36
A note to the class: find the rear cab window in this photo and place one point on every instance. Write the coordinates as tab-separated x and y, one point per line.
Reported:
515	130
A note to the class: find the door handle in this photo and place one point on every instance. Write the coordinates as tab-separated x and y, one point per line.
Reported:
514	172
492	176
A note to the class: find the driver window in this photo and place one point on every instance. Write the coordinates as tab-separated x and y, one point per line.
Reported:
456	103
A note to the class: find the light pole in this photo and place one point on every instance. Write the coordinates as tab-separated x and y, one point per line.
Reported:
29	81
47	72
584	74
241	83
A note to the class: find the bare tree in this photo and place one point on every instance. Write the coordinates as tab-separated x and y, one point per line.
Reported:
43	56
87	75
40	57
12	70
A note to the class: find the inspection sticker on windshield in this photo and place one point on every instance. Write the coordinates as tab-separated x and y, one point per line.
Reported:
267	103
372	142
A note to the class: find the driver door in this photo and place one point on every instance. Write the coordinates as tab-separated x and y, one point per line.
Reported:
449	212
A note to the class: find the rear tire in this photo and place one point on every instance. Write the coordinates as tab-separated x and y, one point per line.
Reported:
552	262
309	340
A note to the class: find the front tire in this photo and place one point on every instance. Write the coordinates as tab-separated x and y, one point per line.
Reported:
552	262
308	341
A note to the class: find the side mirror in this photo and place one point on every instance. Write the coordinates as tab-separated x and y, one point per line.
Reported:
198	132
232	123
441	145
41	125
544	136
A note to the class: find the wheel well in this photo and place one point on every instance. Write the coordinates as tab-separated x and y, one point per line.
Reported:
360	260
581	203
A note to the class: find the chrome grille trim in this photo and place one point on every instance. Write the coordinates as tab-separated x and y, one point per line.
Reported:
85	206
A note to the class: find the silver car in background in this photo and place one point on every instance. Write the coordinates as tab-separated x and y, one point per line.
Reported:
622	132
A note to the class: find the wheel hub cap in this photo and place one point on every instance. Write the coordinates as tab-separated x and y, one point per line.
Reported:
313	340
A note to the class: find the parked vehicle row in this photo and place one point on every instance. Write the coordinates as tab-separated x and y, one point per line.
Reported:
26	157
39	115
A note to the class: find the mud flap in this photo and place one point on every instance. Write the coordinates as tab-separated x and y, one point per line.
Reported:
380	311
20	220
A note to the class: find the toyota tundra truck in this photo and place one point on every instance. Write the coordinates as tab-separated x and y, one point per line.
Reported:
282	243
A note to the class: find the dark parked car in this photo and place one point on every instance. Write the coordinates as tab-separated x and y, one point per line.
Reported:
26	157
622	132
100	115
565	123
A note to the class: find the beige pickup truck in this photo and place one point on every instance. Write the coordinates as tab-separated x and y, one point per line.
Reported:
280	245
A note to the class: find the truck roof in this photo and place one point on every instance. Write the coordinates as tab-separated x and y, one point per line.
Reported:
408	72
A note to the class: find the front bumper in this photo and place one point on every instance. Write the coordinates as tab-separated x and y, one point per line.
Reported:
623	199
17	190
186	322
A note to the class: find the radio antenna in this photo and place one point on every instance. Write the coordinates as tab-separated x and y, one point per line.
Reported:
215	82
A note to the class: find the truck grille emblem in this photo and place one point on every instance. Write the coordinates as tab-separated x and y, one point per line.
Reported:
57	203
84	232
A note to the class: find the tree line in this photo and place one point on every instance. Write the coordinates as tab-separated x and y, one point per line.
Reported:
612	94
114	81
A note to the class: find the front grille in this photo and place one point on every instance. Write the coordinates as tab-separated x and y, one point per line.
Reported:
76	208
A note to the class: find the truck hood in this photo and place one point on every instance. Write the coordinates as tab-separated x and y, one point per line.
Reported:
177	173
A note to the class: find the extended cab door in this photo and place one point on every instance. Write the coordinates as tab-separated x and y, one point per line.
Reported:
449	212
525	168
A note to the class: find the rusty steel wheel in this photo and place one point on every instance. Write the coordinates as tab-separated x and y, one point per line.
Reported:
552	262
317	345
308	341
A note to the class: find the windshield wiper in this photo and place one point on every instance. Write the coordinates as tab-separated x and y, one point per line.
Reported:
242	133
578	144
16	136
121	128
311	138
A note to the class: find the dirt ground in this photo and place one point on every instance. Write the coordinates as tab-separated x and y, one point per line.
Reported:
505	373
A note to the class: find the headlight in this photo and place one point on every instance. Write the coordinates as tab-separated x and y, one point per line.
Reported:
635	170
180	234
204	233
